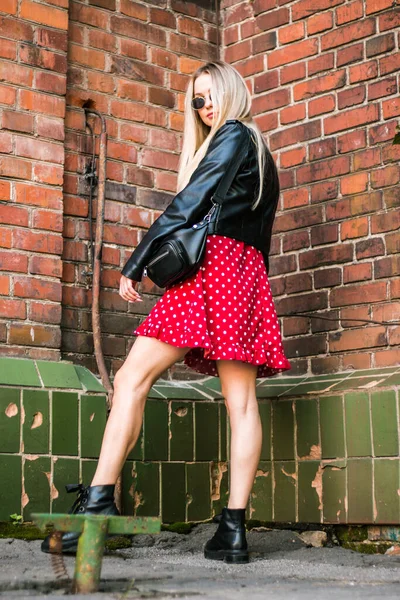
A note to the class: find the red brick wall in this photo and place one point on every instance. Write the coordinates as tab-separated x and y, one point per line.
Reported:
132	64
325	81
33	65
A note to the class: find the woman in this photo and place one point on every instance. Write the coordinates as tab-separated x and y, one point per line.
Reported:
221	320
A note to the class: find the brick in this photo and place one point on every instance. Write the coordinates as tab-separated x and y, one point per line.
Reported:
11	261
318	23
323	170
9	6
369	248
387	312
392	243
354	183
15	168
34	335
292	157
4	285
237	14
304	217
294	135
6	142
7	95
266	81
387	221
163	17
163	58
14	73
291	33
102	40
76	251
389	175
389	20
49	220
358	294
321	105
352	96
45	59
296	240
37	242
351	316
382	133
292	73
12	309
349	12
292	53
42	103
44	265
349	142
326	256
389	64
391	108
327	278
354	228
368	337
359	204
380	45
45	15
50	82
322	149
87	57
347	34
387	267
29	287
231	35
351	119
17	121
58	40
260	6
16	29
366	159
8	49
238	51
324	234
136	70
38	195
159	159
42	312
295	326
5	190
373	6
302	303
363	72
324	62
133	49
12	215
350	54
319	85
305	8
191	27
271	101
40	150
282	264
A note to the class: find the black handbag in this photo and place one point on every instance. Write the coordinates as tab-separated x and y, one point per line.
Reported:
179	256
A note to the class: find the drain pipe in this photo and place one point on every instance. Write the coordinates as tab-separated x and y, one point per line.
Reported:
98	245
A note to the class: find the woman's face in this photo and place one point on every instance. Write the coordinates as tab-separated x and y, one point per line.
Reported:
202	88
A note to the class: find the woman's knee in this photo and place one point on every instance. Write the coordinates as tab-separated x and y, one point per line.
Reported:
131	384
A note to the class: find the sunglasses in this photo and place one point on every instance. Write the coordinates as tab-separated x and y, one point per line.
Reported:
199	102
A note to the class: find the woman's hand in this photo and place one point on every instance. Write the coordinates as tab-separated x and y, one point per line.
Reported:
127	290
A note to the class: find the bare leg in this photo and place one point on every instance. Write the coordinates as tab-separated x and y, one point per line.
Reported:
144	364
238	383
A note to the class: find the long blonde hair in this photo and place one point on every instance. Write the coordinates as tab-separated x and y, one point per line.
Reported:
232	99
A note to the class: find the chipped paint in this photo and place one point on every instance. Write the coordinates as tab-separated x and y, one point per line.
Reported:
217	473
31	456
53	489
292	475
181	411
24	499
22	413
11	410
374	508
317	484
37	420
91	417
261	473
315	453
137	500
131	490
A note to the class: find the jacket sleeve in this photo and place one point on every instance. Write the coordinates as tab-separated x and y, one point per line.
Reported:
193	202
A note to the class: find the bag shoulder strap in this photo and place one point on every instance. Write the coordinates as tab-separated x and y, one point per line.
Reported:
230	174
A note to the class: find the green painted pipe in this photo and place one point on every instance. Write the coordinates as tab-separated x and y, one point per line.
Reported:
89	556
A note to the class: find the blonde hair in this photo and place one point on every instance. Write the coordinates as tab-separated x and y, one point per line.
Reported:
232	99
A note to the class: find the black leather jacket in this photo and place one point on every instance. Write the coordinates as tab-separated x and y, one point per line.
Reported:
234	217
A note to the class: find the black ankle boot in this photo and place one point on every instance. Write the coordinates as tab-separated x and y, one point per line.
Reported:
229	541
96	500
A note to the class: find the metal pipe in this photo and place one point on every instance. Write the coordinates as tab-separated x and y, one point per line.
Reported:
98	245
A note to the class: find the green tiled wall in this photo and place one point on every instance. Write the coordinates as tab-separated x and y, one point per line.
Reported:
330	450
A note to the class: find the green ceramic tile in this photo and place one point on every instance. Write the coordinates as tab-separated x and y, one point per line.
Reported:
206	431
65	423
10	411
308	444
11	480
223	431
393	380
265	414
58	375
387	485
360	490
153	393
334	492
332	426
37	472
147	489
93	422
219	486
127	488
374	372
89	382
176	392
173	492
261	494
137	451
358	426
65	471
156	430
19	371
88	470
384	423
284	491
198	478
353	383
312	387
309	491
205	392
283	430
272	391
36	428
181	431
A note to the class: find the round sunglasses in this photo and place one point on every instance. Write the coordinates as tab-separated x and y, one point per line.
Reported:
199	102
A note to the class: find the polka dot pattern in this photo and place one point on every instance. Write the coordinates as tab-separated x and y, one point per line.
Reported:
225	311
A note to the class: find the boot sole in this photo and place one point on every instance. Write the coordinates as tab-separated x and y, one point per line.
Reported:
228	556
70	548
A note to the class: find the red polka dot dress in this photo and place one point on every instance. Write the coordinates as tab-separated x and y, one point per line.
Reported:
225	311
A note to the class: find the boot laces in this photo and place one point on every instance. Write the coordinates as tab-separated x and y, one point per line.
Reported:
81	500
